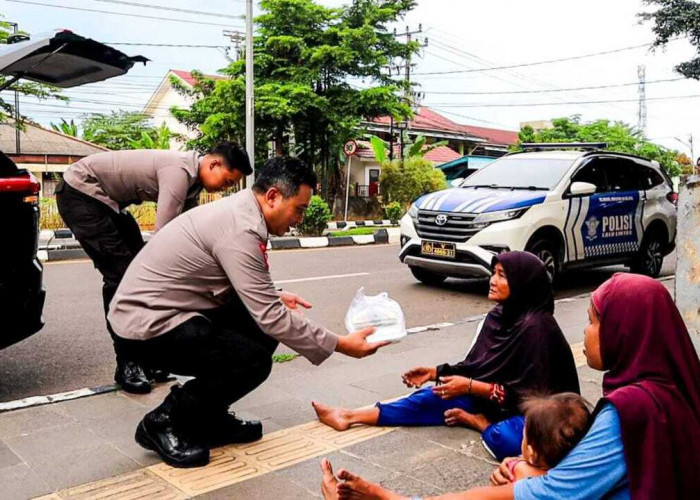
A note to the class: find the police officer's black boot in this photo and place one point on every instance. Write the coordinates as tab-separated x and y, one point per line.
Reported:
225	428
130	376
156	374
164	430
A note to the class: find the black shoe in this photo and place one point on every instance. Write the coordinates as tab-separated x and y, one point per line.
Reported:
230	429
156	374
158	431
131	377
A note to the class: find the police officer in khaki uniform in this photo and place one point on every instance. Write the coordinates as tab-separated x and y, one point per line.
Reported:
199	301
95	193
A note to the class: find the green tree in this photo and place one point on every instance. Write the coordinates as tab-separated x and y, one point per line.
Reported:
118	129
66	127
675	18
405	180
158	138
619	136
306	56
7	109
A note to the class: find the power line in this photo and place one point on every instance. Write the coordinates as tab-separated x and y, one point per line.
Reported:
177	45
143	16
480	60
171	9
537	63
510	105
542	91
470	117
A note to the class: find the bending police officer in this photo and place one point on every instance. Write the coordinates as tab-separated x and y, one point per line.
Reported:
95	193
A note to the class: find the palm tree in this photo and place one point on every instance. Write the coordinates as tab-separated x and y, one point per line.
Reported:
67	128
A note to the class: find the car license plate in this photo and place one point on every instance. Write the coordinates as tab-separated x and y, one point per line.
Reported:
438	249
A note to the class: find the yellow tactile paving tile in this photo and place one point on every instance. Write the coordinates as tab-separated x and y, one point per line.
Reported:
324	434
281	449
224	469
131	486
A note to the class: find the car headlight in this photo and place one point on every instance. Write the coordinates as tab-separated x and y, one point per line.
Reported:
413	212
491	217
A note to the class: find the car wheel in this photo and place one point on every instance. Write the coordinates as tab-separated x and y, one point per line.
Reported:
426	277
547	252
650	258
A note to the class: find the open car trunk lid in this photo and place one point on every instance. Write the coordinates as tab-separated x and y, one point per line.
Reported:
63	59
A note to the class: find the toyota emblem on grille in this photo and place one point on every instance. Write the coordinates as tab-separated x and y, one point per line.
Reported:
441	220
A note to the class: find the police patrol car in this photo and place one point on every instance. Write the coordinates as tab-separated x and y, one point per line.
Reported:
572	209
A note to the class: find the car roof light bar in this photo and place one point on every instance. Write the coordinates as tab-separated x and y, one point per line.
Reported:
543	146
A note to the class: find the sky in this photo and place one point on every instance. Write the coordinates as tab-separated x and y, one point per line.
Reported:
465	37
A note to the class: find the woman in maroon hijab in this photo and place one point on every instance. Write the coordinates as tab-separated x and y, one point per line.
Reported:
645	441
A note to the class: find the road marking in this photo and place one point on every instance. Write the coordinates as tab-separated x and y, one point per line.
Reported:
320	278
81	393
56	398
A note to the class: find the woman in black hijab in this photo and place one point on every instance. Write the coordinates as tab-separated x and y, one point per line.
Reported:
520	350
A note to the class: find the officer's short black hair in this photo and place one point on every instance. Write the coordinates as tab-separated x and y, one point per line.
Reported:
286	173
234	156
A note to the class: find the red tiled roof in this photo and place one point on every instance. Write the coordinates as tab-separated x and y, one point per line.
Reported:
493	135
427	119
442	154
439	155
187	77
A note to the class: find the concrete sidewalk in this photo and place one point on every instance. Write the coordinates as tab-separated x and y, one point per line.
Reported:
85	448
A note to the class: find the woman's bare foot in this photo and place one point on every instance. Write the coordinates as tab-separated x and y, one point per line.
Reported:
355	488
329	484
457	416
338	418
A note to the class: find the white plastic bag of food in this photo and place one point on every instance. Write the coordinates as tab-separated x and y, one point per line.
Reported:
379	311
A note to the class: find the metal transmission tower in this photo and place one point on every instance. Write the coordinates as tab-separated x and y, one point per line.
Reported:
642	111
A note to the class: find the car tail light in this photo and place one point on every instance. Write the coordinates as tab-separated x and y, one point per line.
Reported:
672	197
24	185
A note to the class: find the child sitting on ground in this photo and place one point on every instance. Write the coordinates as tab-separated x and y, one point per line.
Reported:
553	426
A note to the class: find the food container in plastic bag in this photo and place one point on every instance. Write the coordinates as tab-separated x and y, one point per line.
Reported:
379	311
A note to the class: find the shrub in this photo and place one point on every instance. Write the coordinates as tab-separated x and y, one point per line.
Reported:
404	181
393	211
145	215
316	217
49	218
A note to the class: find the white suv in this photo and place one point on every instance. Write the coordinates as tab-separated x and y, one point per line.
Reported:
570	208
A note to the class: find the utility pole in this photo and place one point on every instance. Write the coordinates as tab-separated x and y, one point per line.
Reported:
18	145
413	98
236	38
249	92
642	111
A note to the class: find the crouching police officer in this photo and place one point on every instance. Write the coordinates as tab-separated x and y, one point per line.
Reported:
95	192
199	301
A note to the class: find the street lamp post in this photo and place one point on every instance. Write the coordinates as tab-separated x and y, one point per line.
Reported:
249	92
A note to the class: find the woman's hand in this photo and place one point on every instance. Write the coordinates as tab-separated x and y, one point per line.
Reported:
502	475
416	377
452	386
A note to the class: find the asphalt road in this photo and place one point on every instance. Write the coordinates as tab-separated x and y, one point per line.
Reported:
74	351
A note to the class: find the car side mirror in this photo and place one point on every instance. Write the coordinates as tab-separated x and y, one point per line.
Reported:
582	188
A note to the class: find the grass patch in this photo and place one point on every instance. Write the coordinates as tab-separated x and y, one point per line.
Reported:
283	358
356	231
